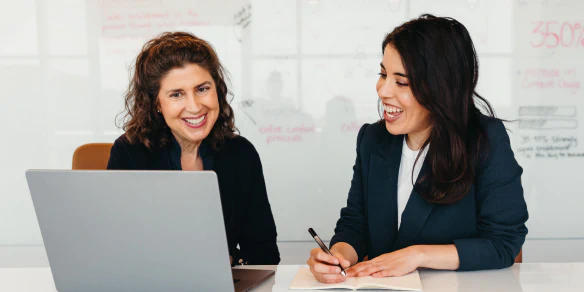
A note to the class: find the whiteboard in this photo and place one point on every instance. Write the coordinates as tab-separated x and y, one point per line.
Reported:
303	76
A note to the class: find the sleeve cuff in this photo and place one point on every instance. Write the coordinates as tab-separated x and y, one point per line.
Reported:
352	240
468	254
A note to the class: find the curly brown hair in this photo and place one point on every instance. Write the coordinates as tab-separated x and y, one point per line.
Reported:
142	121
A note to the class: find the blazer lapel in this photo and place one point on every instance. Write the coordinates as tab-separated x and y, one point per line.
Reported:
382	197
416	212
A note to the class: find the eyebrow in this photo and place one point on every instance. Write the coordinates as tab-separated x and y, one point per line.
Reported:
394	73
179	89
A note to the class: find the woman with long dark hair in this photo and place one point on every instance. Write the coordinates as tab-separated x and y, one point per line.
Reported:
435	182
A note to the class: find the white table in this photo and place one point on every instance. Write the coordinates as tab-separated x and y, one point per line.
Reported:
520	277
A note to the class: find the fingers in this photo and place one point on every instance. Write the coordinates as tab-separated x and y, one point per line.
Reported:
319	255
321	267
384	273
334	278
388	273
326	269
356	269
344	263
329	279
373	268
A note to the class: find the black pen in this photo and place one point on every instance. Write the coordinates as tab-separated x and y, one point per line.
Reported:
324	248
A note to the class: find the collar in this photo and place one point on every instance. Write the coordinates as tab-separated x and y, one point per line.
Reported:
206	152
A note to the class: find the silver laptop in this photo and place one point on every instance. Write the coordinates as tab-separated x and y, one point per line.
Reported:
135	231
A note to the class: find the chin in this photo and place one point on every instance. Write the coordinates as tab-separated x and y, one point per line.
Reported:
392	129
198	137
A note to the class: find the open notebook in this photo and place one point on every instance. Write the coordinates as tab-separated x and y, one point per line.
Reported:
304	280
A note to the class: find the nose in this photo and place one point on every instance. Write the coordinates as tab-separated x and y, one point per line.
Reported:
193	105
385	89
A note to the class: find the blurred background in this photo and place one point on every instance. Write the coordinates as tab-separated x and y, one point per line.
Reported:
303	77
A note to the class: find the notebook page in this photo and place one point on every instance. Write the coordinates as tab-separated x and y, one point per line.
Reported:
410	282
304	280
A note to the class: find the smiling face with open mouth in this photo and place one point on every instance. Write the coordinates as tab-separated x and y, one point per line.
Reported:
189	103
402	112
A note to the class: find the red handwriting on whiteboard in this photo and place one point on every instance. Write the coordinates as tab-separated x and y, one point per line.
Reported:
353	126
553	34
283	138
136	23
285	134
550	78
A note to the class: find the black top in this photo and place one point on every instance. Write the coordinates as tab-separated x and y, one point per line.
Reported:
246	209
487	226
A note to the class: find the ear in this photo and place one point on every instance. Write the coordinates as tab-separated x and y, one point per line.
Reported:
157	105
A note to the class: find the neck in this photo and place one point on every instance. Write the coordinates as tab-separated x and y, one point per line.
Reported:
187	148
415	140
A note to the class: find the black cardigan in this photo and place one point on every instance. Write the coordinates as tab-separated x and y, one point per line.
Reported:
246	209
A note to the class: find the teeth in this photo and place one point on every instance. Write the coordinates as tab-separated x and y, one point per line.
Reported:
392	109
196	122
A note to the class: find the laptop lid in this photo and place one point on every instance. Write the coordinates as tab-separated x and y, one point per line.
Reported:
132	230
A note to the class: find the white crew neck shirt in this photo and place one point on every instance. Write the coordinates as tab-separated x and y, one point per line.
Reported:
404	182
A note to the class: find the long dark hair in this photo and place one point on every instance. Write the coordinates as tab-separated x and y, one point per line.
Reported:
142	121
442	67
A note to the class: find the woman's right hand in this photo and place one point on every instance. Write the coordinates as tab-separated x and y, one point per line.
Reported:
324	266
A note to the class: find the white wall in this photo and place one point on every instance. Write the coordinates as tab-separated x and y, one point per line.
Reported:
307	65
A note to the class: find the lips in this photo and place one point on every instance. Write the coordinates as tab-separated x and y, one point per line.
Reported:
392	112
196	122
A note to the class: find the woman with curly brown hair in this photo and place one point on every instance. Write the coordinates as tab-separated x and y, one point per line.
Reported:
178	118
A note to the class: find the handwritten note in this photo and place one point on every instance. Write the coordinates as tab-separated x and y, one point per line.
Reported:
275	133
554	34
132	18
242	17
549	147
115	24
352	126
551	79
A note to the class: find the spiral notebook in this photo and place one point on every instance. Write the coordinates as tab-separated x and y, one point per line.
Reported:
304	280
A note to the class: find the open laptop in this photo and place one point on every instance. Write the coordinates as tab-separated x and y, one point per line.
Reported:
135	231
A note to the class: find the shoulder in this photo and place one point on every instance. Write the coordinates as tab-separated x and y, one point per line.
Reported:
124	148
496	152
238	147
493	127
125	155
372	135
238	143
123	144
374	132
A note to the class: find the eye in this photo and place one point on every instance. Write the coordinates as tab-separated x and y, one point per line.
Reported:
203	89
382	75
402	84
175	94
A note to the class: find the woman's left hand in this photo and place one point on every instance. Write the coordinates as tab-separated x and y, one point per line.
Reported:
394	264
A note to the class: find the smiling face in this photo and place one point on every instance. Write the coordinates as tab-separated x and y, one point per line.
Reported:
188	102
402	112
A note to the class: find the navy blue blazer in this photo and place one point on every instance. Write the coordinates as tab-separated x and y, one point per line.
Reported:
487	226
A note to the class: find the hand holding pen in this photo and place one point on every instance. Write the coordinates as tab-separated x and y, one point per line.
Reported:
324	265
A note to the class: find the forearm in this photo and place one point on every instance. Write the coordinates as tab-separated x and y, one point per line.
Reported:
346	250
439	257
